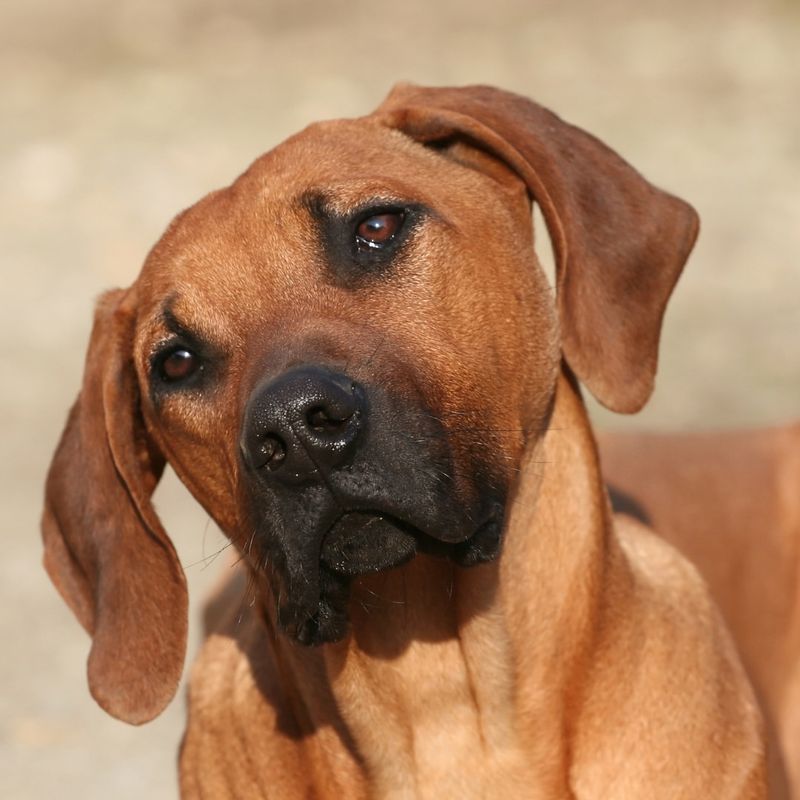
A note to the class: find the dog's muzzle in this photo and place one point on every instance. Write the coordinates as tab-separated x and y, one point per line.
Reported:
343	480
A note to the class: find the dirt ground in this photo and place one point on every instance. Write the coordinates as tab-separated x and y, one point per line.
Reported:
117	115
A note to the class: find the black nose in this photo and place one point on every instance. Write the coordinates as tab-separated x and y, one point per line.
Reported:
302	423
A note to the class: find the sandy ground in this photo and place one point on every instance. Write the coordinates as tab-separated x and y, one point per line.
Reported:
117	115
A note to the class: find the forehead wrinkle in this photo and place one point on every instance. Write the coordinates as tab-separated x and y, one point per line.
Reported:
210	320
224	257
181	315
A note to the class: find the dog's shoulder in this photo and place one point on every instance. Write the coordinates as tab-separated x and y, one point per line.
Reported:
659	637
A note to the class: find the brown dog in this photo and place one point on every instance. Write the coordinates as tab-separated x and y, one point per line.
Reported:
730	502
353	360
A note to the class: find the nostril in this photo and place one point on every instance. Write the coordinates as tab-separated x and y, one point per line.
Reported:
326	420
272	451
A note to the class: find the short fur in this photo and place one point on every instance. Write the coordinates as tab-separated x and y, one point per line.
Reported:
730	502
587	660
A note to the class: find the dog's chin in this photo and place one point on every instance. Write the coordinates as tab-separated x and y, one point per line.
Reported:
363	543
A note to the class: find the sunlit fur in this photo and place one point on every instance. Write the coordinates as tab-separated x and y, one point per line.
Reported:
587	660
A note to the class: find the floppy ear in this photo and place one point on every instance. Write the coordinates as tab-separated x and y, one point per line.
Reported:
620	243
105	549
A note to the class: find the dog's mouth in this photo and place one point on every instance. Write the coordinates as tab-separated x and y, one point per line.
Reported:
362	542
366	542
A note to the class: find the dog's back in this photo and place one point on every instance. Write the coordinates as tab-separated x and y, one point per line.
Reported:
730	502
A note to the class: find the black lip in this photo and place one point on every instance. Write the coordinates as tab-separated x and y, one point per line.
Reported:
361	542
364	542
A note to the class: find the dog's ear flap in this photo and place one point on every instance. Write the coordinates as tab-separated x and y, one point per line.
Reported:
620	243
105	549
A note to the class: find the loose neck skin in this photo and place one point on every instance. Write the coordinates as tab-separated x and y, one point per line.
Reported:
463	678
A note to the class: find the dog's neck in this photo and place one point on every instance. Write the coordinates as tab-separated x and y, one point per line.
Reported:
456	672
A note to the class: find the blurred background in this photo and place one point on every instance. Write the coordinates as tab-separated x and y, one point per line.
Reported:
115	115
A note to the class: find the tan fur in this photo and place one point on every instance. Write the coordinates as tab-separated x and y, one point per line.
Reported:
587	661
730	502
479	701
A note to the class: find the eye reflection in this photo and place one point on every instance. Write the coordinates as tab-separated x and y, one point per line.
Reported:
178	364
379	229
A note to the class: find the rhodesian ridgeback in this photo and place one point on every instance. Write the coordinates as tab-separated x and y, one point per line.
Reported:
354	361
730	502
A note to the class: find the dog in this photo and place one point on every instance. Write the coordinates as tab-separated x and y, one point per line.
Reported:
353	360
728	500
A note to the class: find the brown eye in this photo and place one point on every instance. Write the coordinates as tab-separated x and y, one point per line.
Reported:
178	365
380	229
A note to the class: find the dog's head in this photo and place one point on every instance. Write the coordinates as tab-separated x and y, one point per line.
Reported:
343	355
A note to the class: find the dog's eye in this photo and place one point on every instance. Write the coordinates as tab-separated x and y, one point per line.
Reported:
178	365
378	230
